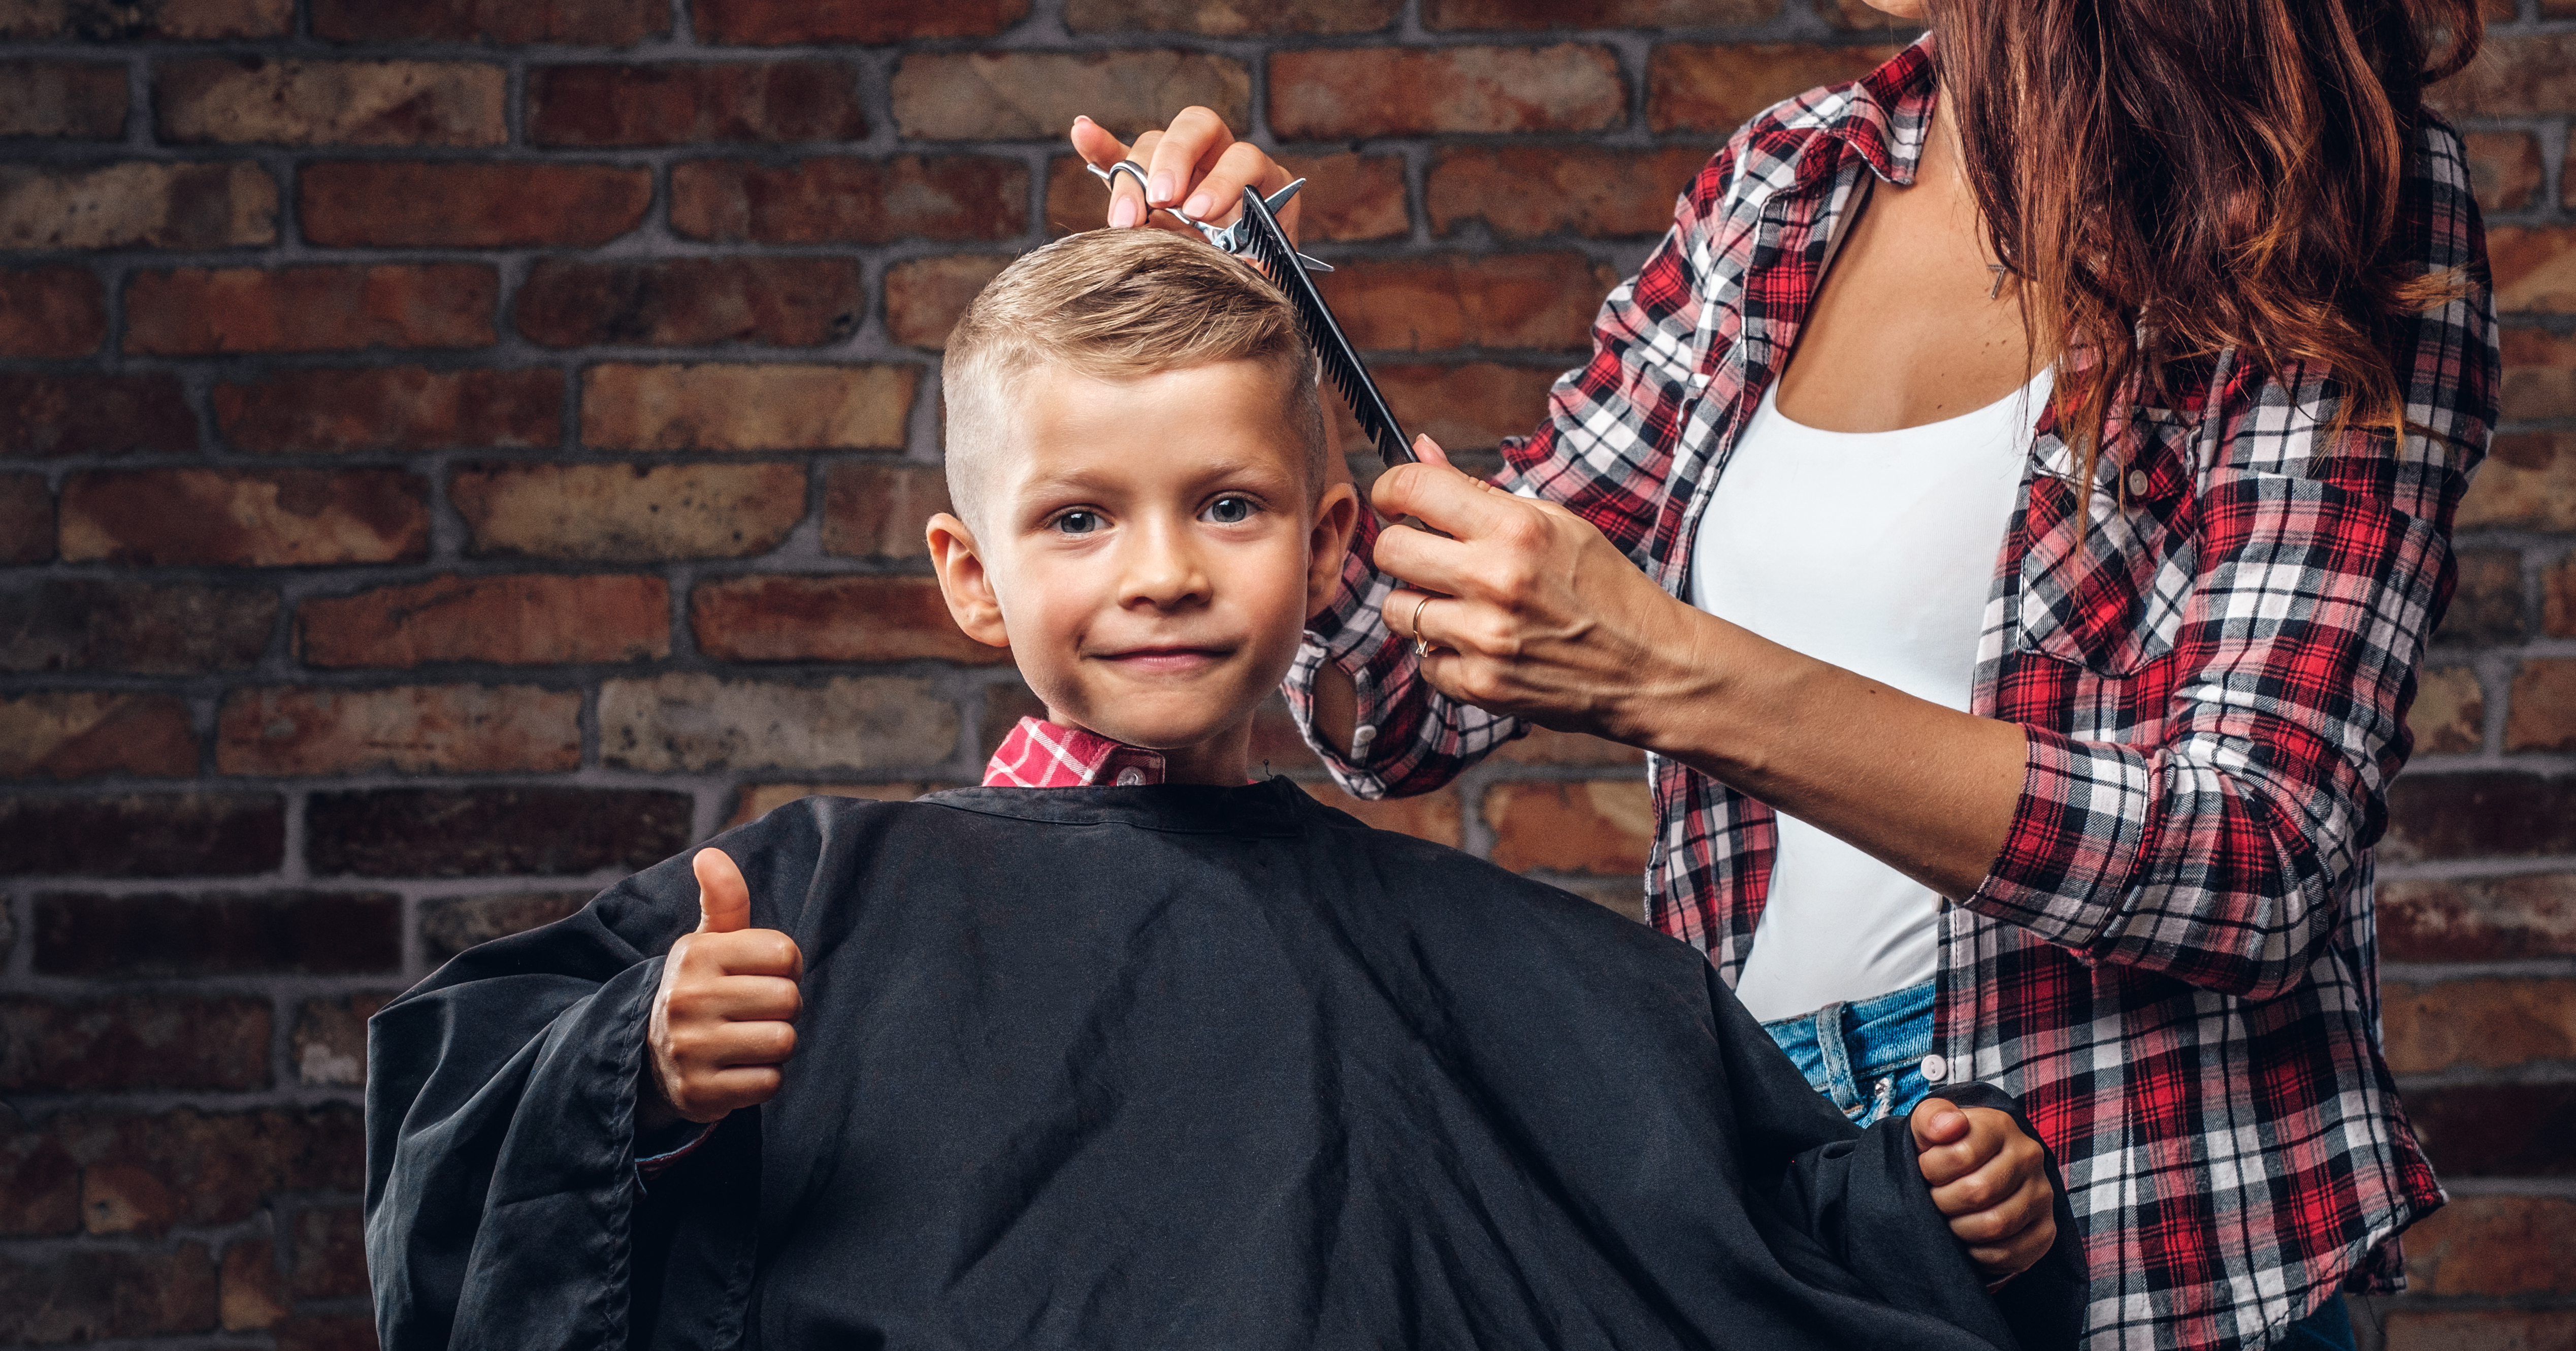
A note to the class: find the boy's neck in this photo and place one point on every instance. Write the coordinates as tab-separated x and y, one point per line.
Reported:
1223	760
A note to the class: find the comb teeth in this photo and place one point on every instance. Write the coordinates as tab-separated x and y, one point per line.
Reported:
1270	247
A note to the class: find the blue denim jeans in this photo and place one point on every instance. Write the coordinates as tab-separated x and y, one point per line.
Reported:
1867	1058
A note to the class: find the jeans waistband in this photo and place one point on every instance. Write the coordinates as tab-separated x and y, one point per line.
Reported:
1844	1049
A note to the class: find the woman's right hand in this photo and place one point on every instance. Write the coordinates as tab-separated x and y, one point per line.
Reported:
1194	164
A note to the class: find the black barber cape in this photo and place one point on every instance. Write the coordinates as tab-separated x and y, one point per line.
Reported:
1162	1067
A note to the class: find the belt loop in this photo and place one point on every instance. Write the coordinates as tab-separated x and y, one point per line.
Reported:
1835	1051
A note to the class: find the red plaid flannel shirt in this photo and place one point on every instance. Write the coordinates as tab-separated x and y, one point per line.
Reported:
2173	962
1042	754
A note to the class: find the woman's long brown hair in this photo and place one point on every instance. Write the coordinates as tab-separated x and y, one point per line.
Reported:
2169	178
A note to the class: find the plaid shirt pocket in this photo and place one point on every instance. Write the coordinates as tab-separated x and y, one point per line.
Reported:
2106	590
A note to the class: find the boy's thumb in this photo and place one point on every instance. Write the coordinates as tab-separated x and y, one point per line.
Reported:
724	899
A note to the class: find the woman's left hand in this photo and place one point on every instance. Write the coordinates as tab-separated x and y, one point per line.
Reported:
1528	609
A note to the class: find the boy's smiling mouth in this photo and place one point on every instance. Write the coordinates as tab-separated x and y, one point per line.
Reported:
1166	658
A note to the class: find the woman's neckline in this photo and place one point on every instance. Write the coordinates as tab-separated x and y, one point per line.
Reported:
2034	390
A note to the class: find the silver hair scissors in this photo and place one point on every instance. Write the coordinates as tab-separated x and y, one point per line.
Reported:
1230	238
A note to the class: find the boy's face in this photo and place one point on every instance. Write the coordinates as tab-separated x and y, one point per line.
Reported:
1150	552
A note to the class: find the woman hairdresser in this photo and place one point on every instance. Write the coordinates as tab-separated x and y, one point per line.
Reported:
2010	505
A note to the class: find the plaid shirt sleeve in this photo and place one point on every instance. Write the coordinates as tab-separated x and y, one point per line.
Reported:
2297	580
1604	453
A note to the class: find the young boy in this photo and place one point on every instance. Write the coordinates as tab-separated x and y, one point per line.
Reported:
1119	1050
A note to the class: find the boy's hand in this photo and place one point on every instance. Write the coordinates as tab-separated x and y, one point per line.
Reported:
722	1022
1990	1181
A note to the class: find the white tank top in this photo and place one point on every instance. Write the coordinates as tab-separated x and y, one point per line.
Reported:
1873	551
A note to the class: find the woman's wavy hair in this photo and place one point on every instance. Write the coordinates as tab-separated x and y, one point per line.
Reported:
2168	178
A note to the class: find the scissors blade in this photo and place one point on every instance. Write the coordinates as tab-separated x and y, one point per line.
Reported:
1227	237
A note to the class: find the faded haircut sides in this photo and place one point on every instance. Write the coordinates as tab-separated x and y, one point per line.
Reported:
1115	305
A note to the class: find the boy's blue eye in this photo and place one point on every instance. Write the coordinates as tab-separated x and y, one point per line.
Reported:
1230	510
1078	522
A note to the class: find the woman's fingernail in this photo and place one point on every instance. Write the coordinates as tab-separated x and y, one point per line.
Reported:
1161	189
1122	213
1200	204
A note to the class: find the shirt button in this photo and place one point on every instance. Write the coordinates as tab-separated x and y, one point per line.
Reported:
1363	734
1131	777
2137	483
1935	1069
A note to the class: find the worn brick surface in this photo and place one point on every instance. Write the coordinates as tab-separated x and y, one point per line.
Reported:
831	618
2496	1130
250	1289
525	620
2478	920
124	206
676	103
1716	89
756	800
326	1332
838	200
2528	482
142	834
330	1256
389	408
407	729
2481	1330
78	734
1529	300
237	101
605	23
142	1174
692	302
1522	192
2535	268
608	513
2488	1024
2539	375
1544	747
691	723
729	407
924	296
2541	715
1601	826
306	309
1036	95
269	518
26	532
780	22
51	312
877	510
492	832
392	203
181	628
2450	712
323	932
1339	95
1468	406
451	924
2487	607
170	20
74	100
1473	14
2489	812
1229	18
2504	168
1431	816
50	415
2495	1245
138	1041
2558	599
2516	73
94	1295
328	1046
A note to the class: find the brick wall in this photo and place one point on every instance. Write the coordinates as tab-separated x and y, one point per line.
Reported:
455	452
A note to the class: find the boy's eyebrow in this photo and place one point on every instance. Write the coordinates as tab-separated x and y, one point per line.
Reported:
1084	480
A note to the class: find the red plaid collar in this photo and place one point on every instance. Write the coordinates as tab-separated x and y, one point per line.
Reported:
1040	754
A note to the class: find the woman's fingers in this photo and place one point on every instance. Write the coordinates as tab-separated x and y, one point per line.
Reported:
1187	149
1100	149
1195	164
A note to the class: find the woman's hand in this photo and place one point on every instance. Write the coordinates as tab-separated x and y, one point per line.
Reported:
1194	164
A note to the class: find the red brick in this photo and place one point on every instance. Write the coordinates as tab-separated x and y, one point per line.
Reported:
876	510
385	408
2535	268
692	302
2541	712
836	200
1439	302
26	536
1473	14
304	309
329	1049
2539	375
1230	18
2514	76
924	296
1859	16
692	723
326	1332
672	103
144	1174
272	518
143	835
580	23
451	924
330	1245
2416	1329
133	1042
2558	599
1599	826
159	206
1010	95
1625	898
42	416
756	800
1524	192
78	734
2499	919
86	1295
2496	1130
246	100
608	513
70	624
316	932
1691	88
39	1184
1433	816
2484	1024
526	620
1544	747
733	407
407	729
788	22
2504	168
494	831
178	20
1004	706
253	1290
51	311
393	203
1341	95
2487	607
2528	482
74	100
2492	812
2449	716
833	618
1465	407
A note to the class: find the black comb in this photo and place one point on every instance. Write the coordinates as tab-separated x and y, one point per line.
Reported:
1268	245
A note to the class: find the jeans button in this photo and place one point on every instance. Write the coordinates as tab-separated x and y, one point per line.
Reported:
1935	1069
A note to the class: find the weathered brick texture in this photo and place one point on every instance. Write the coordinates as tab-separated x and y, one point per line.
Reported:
456	452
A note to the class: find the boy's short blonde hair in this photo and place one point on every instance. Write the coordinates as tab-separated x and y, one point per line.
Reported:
1115	304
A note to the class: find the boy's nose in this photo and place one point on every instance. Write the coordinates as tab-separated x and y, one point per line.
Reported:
1163	571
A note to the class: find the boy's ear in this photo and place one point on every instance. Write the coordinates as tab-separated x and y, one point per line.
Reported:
964	582
1336	516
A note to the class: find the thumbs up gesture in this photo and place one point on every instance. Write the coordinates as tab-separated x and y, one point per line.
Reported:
723	1022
